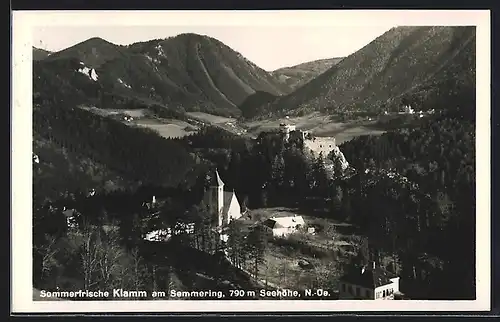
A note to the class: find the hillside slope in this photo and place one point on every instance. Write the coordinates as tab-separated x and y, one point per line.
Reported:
251	105
189	71
79	150
399	62
39	54
59	170
298	75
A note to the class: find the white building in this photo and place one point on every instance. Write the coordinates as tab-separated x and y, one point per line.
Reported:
224	205
158	235
408	109
368	283
283	226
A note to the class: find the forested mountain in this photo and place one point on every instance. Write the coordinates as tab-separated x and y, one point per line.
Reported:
39	54
248	107
405	62
57	170
102	152
189	71
92	52
298	75
430	223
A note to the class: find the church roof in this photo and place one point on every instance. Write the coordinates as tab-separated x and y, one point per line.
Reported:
215	180
228	195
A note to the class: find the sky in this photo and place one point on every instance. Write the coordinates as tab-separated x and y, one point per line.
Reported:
269	47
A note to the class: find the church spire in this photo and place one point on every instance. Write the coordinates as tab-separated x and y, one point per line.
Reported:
216	180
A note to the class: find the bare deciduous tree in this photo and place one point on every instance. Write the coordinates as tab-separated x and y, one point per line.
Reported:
47	251
138	270
90	250
110	257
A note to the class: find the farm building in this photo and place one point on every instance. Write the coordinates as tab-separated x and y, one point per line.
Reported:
283	226
369	282
224	205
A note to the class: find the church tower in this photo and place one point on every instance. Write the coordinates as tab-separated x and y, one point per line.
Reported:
216	197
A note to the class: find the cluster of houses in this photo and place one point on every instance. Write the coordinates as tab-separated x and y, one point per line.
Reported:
225	207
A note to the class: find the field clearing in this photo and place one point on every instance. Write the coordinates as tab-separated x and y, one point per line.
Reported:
304	260
282	267
135	113
168	128
214	119
330	234
320	126
348	133
225	123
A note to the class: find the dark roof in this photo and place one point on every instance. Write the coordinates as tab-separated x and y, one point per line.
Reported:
368	278
269	223
69	212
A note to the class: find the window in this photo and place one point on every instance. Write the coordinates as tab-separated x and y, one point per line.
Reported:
350	290
384	293
368	294
343	287
358	291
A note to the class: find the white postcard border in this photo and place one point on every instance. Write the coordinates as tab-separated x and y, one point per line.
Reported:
21	173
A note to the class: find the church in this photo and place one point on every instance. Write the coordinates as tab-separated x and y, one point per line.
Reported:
224	205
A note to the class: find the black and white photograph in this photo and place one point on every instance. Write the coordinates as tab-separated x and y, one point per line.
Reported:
185	161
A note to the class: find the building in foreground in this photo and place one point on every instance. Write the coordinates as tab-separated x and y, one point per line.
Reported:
368	282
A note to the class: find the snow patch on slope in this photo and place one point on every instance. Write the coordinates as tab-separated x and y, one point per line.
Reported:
89	72
161	53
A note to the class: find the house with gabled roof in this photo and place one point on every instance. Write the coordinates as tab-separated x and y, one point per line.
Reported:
283	226
368	282
224	205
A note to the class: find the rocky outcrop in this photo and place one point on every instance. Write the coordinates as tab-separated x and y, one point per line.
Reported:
338	158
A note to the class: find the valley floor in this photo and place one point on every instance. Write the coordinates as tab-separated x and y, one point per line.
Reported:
321	126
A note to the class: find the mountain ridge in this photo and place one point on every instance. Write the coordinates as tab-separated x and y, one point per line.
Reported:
298	75
189	71
391	65
40	54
